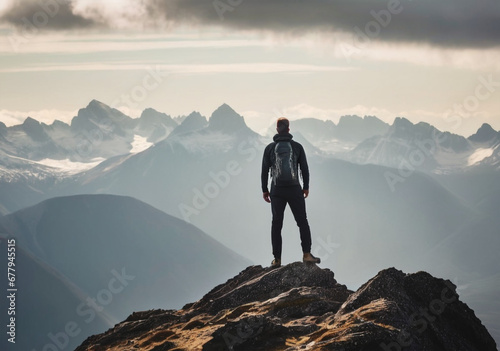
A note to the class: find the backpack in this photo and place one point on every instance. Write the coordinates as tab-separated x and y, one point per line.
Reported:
284	169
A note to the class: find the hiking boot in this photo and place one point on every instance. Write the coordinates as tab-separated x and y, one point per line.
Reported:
309	258
276	263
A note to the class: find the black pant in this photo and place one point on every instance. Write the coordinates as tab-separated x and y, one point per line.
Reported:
294	197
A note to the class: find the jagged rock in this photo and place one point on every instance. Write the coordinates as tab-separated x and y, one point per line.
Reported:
485	134
412	312
194	122
226	119
257	284
302	307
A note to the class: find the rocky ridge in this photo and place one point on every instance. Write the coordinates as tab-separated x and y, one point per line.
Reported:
302	307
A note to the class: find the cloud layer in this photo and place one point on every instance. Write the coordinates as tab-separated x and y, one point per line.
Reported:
445	23
49	14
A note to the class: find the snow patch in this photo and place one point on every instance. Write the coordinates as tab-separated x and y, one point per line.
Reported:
139	144
479	155
69	167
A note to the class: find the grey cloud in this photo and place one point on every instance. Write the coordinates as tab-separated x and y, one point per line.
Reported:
44	14
444	23
449	23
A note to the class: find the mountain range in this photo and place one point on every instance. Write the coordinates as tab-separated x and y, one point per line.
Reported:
96	133
425	148
99	132
91	259
381	195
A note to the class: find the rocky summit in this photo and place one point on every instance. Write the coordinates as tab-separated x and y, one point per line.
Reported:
302	307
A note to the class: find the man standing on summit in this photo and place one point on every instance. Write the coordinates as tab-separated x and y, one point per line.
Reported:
284	156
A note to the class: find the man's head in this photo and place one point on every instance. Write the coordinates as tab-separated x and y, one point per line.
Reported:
282	125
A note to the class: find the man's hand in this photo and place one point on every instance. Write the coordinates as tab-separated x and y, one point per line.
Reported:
266	197
306	193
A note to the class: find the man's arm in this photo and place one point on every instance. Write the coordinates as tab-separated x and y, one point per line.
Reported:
264	177
304	170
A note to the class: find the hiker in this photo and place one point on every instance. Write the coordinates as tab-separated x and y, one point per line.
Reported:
283	157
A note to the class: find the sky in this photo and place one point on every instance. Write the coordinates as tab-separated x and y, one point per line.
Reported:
426	60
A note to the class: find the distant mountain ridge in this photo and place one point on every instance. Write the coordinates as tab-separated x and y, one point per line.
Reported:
100	132
42	291
226	120
193	122
336	138
97	131
155	124
422	146
101	116
485	134
87	241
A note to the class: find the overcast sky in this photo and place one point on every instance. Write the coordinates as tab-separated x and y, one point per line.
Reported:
427	60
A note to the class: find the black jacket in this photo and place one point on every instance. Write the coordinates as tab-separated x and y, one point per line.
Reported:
300	159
